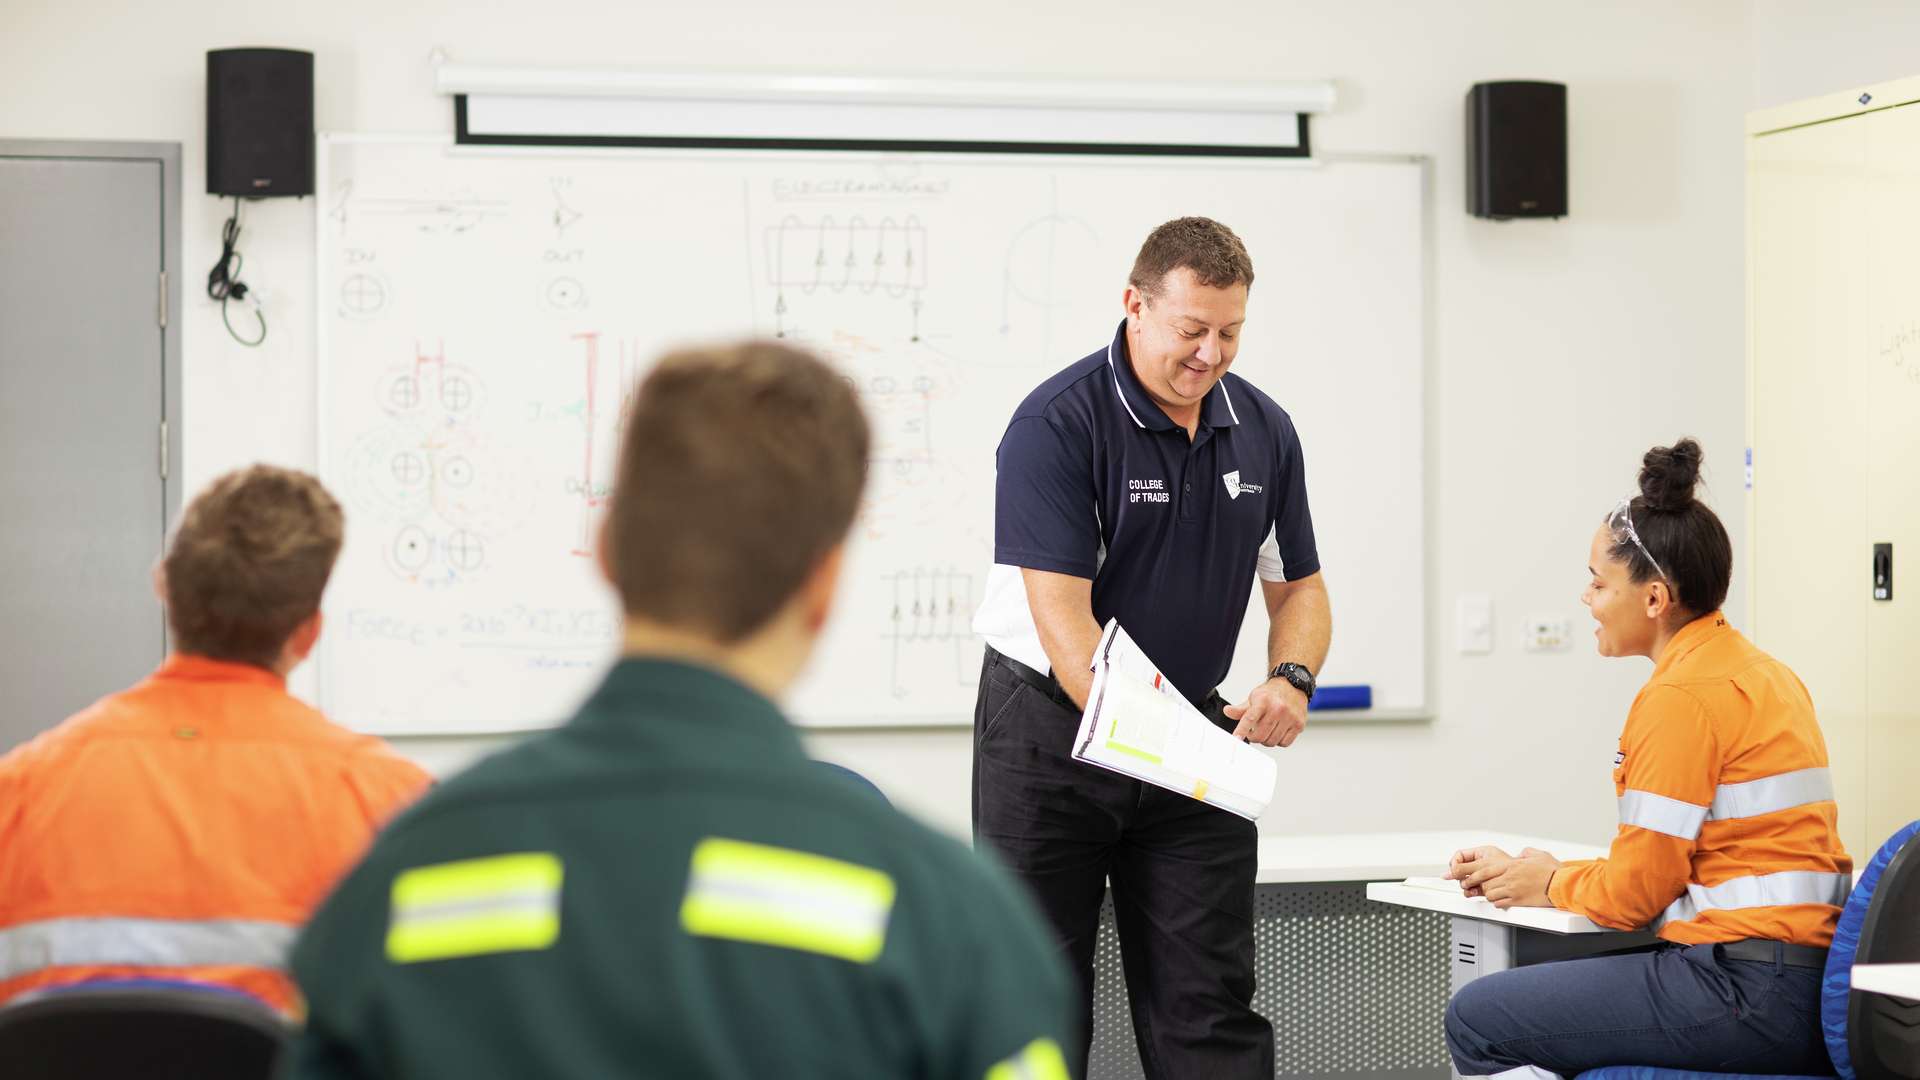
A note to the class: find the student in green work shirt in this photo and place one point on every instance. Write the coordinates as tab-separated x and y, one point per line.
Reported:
667	886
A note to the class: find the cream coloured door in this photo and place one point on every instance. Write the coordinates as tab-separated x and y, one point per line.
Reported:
1892	467
1809	281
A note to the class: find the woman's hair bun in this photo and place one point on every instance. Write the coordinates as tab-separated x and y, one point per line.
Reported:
1668	474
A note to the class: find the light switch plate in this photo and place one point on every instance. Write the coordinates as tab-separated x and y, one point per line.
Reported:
1474	626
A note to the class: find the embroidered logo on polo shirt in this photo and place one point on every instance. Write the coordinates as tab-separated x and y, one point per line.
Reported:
1152	491
1235	485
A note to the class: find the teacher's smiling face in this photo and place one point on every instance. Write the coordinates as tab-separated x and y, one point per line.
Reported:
1182	337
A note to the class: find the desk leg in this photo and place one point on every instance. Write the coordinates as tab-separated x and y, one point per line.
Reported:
1479	948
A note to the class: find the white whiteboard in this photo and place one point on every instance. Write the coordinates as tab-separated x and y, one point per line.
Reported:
483	313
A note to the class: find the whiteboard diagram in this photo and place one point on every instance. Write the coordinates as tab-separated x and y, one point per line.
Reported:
564	215
884	258
485	320
423	469
363	295
1037	282
931	615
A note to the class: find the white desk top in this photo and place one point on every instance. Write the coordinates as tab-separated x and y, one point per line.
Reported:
1389	856
1900	980
1552	920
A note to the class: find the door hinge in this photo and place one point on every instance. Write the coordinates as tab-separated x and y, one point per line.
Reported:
163	299
163	449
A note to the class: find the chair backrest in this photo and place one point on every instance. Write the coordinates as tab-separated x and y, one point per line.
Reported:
858	780
1886	1029
156	1033
1868	1035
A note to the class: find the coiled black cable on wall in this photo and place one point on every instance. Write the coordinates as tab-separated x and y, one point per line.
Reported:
223	281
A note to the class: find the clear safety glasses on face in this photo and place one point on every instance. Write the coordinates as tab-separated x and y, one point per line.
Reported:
1621	523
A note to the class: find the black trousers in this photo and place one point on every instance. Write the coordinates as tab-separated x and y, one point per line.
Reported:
1182	876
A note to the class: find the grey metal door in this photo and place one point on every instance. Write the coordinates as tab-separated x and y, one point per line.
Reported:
83	499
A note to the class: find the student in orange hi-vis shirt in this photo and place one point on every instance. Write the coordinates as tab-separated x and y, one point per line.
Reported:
185	829
1728	844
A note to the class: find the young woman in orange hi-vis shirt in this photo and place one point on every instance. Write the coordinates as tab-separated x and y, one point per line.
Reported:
1728	845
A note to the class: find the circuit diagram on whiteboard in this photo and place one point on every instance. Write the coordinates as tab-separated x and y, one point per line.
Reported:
828	256
429	475
931	616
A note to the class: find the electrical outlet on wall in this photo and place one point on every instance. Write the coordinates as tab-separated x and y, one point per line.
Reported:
1545	633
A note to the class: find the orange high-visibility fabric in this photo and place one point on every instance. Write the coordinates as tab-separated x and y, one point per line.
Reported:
1721	743
205	793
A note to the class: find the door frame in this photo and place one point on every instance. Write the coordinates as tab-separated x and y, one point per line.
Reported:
168	156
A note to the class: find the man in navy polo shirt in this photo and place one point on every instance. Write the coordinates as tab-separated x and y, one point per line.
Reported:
1146	484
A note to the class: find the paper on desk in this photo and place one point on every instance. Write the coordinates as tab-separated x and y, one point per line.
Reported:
1437	884
1138	724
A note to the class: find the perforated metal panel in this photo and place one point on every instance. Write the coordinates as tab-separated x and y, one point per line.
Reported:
1354	989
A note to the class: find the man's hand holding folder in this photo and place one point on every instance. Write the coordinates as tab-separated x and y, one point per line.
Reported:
1136	723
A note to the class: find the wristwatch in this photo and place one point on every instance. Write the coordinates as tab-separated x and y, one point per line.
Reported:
1296	675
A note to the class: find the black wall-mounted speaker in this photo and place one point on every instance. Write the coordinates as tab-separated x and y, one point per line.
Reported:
1517	150
259	122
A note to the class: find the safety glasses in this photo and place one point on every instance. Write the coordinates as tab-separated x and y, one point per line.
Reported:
1621	522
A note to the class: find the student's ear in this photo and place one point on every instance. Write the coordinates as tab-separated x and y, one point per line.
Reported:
304	638
816	594
1659	600
1131	302
603	548
160	581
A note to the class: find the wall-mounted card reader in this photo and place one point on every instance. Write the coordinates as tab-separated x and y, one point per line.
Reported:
1883	571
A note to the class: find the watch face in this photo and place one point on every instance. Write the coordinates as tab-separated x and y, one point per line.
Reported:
1296	675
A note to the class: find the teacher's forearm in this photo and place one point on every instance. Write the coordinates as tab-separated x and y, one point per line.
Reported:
1062	607
1300	624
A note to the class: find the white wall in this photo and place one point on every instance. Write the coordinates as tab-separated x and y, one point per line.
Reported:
1806	48
1560	351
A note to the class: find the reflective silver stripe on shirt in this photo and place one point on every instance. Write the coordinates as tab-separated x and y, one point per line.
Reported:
824	911
1645	810
1760	890
33	946
1772	793
537	900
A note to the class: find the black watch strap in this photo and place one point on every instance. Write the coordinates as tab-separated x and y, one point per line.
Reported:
1297	675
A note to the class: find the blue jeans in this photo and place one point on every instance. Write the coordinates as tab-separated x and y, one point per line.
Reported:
1674	1006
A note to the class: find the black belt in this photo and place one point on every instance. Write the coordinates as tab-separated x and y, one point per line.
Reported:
1768	951
1050	686
1046	684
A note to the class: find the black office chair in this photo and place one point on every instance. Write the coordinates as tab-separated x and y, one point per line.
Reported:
110	1032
